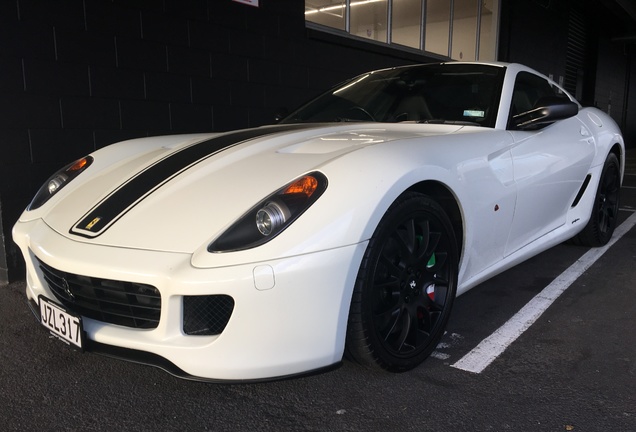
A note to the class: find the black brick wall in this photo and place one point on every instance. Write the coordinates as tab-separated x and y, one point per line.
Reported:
76	75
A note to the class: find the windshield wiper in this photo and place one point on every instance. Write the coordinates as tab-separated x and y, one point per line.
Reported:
453	122
346	120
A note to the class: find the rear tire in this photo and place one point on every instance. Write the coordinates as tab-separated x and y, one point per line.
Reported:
405	287
602	223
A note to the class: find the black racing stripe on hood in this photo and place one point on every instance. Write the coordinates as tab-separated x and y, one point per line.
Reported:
121	200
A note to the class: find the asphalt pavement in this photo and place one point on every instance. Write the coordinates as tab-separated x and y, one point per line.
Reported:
573	369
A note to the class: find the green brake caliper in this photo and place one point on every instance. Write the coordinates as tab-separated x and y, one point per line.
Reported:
431	262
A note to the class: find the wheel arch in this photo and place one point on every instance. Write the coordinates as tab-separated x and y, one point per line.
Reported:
448	201
617	149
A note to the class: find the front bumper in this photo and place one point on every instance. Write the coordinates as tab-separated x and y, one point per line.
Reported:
289	315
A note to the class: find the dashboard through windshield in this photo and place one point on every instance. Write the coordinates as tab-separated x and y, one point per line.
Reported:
436	93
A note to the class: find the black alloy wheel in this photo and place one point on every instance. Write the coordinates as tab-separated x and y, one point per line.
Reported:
405	288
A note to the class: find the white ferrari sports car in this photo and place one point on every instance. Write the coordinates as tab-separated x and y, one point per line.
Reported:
347	229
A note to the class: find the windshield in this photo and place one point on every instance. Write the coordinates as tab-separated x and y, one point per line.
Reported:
439	93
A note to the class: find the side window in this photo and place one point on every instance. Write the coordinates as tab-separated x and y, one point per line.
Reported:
530	89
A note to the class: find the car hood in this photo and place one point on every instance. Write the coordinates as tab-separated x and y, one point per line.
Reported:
175	193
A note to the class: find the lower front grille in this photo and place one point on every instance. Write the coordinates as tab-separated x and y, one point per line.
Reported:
127	304
206	315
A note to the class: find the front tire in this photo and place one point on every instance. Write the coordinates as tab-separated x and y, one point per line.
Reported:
600	228
405	287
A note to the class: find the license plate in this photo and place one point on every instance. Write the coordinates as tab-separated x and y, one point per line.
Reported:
62	324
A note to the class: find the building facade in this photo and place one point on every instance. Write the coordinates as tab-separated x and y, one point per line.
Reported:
76	75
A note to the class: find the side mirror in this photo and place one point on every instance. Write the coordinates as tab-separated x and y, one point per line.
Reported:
546	111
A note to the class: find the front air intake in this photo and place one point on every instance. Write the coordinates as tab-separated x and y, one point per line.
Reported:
127	304
206	315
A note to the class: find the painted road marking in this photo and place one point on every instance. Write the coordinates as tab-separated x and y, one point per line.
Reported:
494	345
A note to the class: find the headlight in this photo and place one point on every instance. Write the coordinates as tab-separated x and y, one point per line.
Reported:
272	215
58	180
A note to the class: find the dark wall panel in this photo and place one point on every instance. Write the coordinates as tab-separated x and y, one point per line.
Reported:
80	74
535	33
116	83
543	35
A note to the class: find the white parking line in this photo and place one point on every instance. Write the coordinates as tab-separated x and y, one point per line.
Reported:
494	345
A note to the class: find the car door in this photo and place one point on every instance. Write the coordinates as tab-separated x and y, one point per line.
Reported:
550	164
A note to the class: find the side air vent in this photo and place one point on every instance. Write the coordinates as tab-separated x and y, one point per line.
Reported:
582	190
